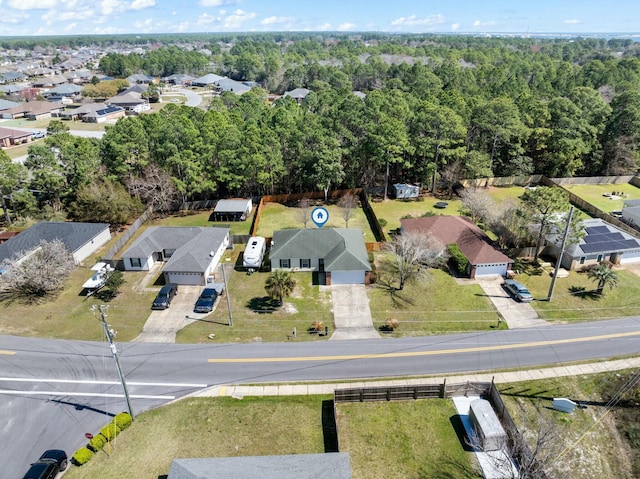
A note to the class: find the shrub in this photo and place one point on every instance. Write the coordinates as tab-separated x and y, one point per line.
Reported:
123	420
382	222
317	326
81	456
392	324
110	431
460	261
96	443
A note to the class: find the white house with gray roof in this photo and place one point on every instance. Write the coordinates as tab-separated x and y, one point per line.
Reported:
191	253
334	465
339	255
81	239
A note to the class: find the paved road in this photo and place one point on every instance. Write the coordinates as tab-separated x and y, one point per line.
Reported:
53	391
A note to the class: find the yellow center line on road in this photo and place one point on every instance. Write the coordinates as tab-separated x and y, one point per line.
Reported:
8	353
428	353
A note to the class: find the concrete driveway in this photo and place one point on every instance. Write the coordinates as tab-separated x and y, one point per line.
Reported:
516	314
351	313
162	325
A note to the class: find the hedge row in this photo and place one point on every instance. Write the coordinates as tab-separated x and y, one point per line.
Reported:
459	260
96	443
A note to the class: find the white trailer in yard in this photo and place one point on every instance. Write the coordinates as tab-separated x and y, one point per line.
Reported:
254	253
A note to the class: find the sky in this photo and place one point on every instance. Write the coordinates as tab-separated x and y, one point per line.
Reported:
69	17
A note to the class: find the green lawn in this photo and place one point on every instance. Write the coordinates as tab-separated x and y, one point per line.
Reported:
594	194
256	316
392	211
427	307
501	193
276	216
403	439
201	218
574	298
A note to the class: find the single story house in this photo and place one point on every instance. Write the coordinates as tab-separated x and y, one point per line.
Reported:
33	110
339	255
232	210
631	212
65	90
602	242
10	137
191	253
333	465
404	191
94	113
298	94
206	80
227	84
484	259
81	239
178	79
130	100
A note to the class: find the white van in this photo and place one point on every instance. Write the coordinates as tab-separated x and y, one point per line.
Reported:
254	253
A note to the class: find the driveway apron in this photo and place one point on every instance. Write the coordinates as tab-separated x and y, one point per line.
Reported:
351	313
517	315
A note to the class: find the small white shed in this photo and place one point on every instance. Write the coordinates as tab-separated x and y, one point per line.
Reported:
405	191
486	426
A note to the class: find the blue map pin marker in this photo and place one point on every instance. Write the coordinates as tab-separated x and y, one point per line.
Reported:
319	216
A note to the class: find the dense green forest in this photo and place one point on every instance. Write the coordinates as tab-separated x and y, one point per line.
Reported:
435	109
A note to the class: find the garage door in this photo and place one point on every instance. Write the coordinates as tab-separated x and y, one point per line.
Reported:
183	278
347	277
630	257
499	269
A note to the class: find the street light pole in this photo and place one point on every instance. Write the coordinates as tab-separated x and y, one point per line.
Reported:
226	293
114	352
559	260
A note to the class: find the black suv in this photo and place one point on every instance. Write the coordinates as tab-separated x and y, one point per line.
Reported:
166	294
48	466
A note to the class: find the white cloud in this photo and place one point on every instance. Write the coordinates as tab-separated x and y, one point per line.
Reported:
237	19
345	26
142	4
13	18
218	3
324	27
277	20
478	24
572	21
413	20
32	4
206	19
455	27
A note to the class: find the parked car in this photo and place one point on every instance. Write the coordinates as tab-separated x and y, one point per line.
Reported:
206	301
38	134
166	294
48	466
517	290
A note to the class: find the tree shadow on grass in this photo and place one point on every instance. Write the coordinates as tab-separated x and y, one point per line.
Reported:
399	298
263	305
581	292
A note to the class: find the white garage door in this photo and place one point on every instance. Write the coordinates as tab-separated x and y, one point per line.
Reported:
491	269
347	277
630	257
184	278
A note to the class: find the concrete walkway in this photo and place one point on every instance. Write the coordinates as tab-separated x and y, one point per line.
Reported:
240	391
351	313
515	314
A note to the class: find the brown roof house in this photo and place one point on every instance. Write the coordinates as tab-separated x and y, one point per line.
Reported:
10	137
34	110
484	259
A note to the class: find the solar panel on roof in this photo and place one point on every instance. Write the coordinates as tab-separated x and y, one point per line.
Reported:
603	238
596	230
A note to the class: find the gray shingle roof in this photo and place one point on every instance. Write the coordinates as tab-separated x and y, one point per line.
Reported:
72	235
300	466
343	249
193	246
231	206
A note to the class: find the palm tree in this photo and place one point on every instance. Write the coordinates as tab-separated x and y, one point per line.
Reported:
604	275
280	284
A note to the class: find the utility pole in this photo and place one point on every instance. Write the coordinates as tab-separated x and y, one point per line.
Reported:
559	260
226	293
114	352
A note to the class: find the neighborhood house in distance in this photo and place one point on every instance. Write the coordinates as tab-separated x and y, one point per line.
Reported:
339	255
192	253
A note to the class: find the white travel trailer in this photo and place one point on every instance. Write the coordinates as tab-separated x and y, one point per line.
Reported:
254	253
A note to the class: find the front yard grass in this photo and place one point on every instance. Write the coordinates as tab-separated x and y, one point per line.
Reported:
574	297
277	216
256	317
594	194
437	305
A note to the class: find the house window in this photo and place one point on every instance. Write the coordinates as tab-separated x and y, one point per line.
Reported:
599	258
305	263
168	253
135	262
285	263
582	258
